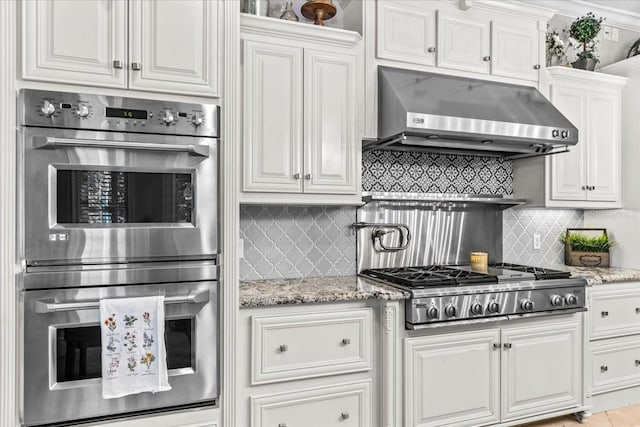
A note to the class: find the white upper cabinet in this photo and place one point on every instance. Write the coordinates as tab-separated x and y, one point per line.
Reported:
485	39
301	113
75	41
515	49
464	41
407	32
173	46
589	175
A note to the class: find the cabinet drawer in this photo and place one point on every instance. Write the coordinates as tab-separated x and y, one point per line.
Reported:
310	345
343	405
615	364
615	312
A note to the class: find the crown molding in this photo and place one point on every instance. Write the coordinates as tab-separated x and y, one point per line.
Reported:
573	8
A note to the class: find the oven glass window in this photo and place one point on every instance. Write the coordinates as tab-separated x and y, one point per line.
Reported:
79	351
112	197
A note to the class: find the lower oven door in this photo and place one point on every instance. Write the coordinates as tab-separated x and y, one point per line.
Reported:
61	376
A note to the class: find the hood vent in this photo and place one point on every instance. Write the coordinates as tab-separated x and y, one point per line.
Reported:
436	113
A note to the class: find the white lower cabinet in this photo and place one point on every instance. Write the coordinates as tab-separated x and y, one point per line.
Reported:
512	371
308	366
613	355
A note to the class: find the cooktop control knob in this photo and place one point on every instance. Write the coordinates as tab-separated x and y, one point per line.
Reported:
450	310
167	118
556	300
526	304
432	312
493	307
48	109
196	120
83	111
571	299
476	308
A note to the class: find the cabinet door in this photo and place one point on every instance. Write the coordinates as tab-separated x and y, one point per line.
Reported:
330	122
77	42
452	379
406	32
514	50
603	154
541	368
175	43
272	117
464	41
568	175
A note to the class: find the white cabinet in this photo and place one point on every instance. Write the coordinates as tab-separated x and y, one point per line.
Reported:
74	42
453	379
613	354
588	176
309	365
172	46
499	374
464	41
301	122
591	171
505	43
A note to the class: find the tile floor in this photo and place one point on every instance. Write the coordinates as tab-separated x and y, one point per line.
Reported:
622	417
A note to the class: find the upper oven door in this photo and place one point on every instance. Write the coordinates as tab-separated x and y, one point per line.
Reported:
104	197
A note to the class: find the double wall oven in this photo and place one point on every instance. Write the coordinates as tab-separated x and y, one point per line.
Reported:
118	197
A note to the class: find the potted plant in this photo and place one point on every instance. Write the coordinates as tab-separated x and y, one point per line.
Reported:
582	34
587	251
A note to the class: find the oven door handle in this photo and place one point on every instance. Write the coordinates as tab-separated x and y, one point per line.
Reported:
49	142
48	306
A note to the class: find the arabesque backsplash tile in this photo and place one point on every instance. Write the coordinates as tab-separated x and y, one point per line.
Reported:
519	226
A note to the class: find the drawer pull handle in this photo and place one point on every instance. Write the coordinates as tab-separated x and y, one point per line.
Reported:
507	345
496	345
284	348
604	313
637	310
637	362
346	341
282	425
344	415
604	368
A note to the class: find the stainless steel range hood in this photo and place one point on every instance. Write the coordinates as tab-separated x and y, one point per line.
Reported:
436	113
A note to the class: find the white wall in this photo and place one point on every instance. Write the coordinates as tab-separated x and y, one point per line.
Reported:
623	227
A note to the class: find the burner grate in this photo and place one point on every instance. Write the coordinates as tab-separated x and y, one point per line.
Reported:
539	272
429	276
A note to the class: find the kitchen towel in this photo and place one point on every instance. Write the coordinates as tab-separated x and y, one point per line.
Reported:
134	358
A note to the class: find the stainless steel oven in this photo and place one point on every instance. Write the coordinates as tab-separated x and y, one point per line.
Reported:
118	197
111	180
62	351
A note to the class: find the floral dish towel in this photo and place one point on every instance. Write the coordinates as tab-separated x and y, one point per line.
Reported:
134	357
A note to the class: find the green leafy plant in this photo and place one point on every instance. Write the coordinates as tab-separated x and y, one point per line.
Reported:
582	243
584	31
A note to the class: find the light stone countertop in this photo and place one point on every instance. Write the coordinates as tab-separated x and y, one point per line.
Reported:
259	293
605	275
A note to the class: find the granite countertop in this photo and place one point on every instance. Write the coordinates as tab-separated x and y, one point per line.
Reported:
258	293
603	275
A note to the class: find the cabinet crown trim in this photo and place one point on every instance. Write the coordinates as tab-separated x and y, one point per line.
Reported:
250	24
586	76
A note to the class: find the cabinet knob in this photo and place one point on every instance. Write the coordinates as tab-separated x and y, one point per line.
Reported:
584	187
284	348
344	415
637	362
604	368
308	176
486	58
507	345
282	425
296	176
637	310
117	64
431	49
604	313
135	66
536	67
346	341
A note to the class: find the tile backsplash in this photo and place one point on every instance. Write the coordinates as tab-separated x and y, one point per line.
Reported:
435	173
294	241
519	226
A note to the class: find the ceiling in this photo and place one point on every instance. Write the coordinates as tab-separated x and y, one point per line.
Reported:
619	13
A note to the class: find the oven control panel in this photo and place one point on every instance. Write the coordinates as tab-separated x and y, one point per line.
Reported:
97	112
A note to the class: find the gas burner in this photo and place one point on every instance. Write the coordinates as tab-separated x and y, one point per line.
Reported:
429	276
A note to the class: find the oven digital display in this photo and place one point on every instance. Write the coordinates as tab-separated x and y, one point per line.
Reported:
122	113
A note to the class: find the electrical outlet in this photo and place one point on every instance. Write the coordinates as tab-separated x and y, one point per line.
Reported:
240	248
606	29
536	242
